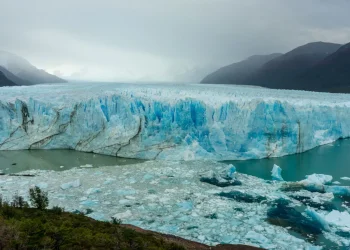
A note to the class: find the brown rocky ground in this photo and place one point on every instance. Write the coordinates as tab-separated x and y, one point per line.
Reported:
190	245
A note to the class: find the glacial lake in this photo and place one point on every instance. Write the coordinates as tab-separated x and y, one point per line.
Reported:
332	159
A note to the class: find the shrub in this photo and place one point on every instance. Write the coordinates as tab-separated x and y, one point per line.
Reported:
116	221
7	211
57	210
19	202
38	198
89	211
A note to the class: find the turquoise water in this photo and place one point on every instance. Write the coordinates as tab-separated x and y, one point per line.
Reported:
58	160
332	159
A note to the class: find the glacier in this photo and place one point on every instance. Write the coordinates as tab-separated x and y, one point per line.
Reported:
171	122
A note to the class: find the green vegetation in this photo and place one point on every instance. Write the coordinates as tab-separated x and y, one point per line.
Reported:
23	227
38	198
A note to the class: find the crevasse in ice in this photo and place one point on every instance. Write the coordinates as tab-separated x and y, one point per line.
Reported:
171	122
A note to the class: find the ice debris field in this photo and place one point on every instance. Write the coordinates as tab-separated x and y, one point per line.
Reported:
171	122
203	201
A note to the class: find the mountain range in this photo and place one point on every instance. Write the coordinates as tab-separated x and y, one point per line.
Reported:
317	66
18	71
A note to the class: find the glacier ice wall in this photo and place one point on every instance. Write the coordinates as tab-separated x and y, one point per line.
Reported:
171	122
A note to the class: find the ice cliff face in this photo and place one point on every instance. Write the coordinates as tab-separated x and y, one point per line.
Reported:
171	122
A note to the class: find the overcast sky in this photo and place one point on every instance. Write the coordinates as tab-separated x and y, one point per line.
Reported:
161	39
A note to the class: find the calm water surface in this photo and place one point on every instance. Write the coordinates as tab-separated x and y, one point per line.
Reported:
17	161
332	159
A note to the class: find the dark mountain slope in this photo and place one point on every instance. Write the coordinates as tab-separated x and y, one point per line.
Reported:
282	71
13	78
236	73
4	81
331	74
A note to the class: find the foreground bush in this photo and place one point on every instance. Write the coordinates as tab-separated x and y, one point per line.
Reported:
22	227
30	228
38	198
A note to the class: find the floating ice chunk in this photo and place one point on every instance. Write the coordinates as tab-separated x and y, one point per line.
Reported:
318	179
316	182
222	180
87	166
316	201
93	191
147	177
345	178
313	248
61	166
126	192
242	197
108	181
89	203
282	214
256	237
338	190
229	173
186	206
73	184
226	239
42	185
169	229
123	215
276	173
97	216
339	219
336	183
317	218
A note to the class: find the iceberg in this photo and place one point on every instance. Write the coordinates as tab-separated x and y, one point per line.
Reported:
169	122
335	218
316	182
317	218
318	179
72	184
276	173
225	178
340	219
338	190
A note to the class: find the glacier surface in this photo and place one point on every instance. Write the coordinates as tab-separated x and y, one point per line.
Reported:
171	122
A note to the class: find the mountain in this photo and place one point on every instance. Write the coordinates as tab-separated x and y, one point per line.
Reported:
237	73
21	68
5	81
13	78
332	74
283	71
309	67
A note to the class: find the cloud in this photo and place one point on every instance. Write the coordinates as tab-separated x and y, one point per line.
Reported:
152	39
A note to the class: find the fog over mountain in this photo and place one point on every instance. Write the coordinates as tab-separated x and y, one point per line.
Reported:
135	40
22	72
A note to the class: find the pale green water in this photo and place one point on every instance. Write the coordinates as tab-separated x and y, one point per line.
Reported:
332	159
17	161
